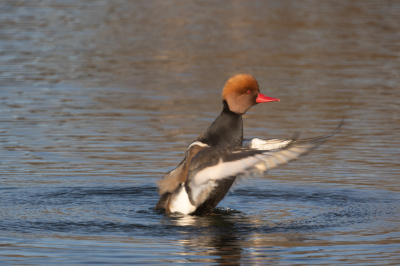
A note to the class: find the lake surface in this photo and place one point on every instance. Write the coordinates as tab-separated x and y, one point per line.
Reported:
99	99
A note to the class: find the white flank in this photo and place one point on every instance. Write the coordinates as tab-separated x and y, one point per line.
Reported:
180	202
267	145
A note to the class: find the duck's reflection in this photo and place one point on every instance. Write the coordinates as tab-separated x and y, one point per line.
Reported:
233	239
219	239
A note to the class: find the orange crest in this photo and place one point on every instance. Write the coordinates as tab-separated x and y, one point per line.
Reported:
239	84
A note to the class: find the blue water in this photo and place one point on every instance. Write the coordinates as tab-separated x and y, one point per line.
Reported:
99	100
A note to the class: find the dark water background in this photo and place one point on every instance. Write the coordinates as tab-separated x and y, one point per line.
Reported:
98	99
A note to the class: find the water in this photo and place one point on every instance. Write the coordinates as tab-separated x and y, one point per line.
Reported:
99	99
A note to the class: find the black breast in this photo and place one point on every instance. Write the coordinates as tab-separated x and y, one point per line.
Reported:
225	131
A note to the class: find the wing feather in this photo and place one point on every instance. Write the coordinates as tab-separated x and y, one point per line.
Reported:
211	165
266	145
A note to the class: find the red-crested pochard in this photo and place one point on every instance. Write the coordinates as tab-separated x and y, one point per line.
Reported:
220	154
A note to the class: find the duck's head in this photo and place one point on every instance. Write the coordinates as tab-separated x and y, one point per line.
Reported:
242	92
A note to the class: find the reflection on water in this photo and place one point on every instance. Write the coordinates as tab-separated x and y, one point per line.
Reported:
99	99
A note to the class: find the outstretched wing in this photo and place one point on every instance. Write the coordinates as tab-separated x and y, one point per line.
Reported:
212	165
174	178
276	144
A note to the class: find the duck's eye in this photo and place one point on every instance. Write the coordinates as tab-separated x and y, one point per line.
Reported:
249	91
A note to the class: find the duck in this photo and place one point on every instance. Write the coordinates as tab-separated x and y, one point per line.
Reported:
220	156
